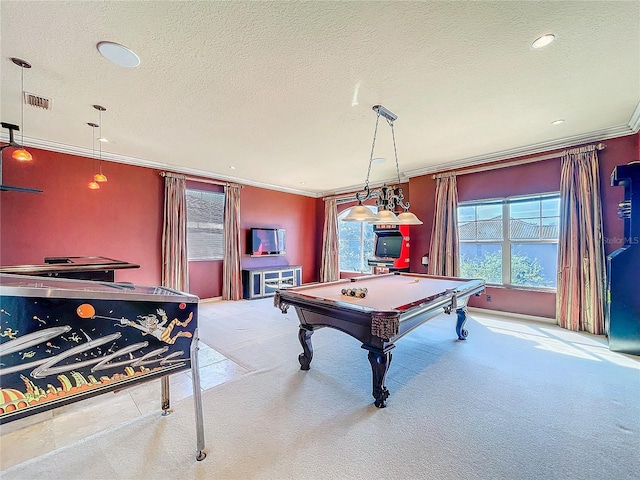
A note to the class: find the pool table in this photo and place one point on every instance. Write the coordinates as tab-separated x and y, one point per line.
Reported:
393	305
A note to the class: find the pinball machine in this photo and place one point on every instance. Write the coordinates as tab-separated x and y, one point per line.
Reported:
66	340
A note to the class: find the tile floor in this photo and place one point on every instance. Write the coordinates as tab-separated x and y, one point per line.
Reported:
38	434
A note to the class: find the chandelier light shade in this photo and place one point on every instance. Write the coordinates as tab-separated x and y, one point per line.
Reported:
93	185
360	213
387	198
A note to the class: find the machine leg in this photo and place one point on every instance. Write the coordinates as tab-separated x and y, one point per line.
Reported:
164	388
197	398
380	362
462	318
305	357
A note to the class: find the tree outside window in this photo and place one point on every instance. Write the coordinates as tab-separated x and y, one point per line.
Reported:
511	241
356	241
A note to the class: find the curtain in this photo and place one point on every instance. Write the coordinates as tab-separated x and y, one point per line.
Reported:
231	270
581	265
443	252
330	269
175	264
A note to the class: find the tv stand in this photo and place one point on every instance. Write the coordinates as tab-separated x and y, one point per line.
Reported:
260	282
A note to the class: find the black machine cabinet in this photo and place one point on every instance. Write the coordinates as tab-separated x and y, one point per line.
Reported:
623	267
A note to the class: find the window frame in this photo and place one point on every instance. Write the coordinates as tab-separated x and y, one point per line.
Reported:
217	255
363	258
506	242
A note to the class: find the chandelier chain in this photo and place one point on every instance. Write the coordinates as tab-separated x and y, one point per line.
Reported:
373	144
395	151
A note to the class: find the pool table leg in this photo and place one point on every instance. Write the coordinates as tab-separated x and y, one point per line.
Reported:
380	362
304	335
462	318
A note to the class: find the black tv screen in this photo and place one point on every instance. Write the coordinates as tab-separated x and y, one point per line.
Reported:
388	244
266	241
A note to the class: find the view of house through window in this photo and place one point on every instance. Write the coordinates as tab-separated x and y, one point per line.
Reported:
356	244
205	225
511	241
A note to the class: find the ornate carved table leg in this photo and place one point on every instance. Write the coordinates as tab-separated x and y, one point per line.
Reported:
305	357
379	366
462	318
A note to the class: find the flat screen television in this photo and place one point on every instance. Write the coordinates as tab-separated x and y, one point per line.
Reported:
266	241
388	244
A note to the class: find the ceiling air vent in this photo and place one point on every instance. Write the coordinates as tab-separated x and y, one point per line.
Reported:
37	101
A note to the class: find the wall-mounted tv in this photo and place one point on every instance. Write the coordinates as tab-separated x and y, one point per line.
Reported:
266	241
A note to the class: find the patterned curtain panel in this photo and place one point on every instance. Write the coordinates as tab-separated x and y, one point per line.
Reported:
443	252
231	271
175	264
330	270
581	265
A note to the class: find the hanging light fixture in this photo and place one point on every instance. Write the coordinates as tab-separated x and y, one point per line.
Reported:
93	184
20	153
387	198
100	177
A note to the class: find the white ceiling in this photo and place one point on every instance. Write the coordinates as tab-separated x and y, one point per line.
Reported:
283	91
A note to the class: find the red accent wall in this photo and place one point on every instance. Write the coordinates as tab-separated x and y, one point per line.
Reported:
122	220
525	179
302	218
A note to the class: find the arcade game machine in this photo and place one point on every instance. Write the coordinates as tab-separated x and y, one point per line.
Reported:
391	249
622	322
66	340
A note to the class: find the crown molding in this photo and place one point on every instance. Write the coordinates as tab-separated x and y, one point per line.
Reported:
138	162
599	135
596	136
634	122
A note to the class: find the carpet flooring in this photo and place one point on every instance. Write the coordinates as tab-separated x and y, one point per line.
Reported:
516	400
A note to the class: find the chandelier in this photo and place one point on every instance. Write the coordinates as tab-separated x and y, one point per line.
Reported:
388	198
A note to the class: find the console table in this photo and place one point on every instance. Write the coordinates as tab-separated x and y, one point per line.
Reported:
259	282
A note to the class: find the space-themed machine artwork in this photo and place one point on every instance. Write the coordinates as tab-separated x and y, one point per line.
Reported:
63	341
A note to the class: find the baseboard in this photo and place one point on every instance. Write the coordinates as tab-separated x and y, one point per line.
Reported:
515	316
209	300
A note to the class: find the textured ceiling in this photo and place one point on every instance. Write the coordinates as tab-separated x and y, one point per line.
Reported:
283	91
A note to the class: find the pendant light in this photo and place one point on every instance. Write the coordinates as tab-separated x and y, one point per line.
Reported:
93	184
21	154
387	198
100	177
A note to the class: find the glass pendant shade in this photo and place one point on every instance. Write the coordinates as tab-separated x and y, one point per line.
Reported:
21	155
408	218
360	213
94	185
100	177
385	217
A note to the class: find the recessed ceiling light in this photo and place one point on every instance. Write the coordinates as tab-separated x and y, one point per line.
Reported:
378	160
557	122
232	167
303	183
543	41
103	140
118	54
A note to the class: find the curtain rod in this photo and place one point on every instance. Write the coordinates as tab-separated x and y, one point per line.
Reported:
198	179
512	163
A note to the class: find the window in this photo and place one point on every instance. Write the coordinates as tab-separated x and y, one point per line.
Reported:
205	225
356	244
511	241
